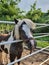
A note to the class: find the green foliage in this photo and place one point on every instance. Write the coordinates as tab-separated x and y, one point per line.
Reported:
37	15
46	38
9	10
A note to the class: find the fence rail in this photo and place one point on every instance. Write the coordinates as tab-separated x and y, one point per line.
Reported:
40	33
41	27
44	61
10	22
40	24
7	22
10	42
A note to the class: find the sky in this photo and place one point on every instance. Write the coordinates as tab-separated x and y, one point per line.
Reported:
25	5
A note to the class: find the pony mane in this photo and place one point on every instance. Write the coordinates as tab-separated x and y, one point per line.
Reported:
30	24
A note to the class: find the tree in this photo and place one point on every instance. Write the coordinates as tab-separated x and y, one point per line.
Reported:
37	15
9	9
34	14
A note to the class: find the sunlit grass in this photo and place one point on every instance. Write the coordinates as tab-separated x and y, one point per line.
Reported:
42	44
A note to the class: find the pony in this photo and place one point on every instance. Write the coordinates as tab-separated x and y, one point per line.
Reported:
22	31
10	48
3	37
4	49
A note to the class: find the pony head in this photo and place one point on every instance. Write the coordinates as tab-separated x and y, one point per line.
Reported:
22	31
18	23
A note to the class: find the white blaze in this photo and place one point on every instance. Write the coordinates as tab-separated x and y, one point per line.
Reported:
28	33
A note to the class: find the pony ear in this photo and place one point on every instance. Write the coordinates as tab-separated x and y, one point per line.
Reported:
16	21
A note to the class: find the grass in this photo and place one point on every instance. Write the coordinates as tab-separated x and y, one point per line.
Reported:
42	44
46	38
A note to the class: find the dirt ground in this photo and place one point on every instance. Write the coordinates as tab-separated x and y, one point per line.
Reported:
33	60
